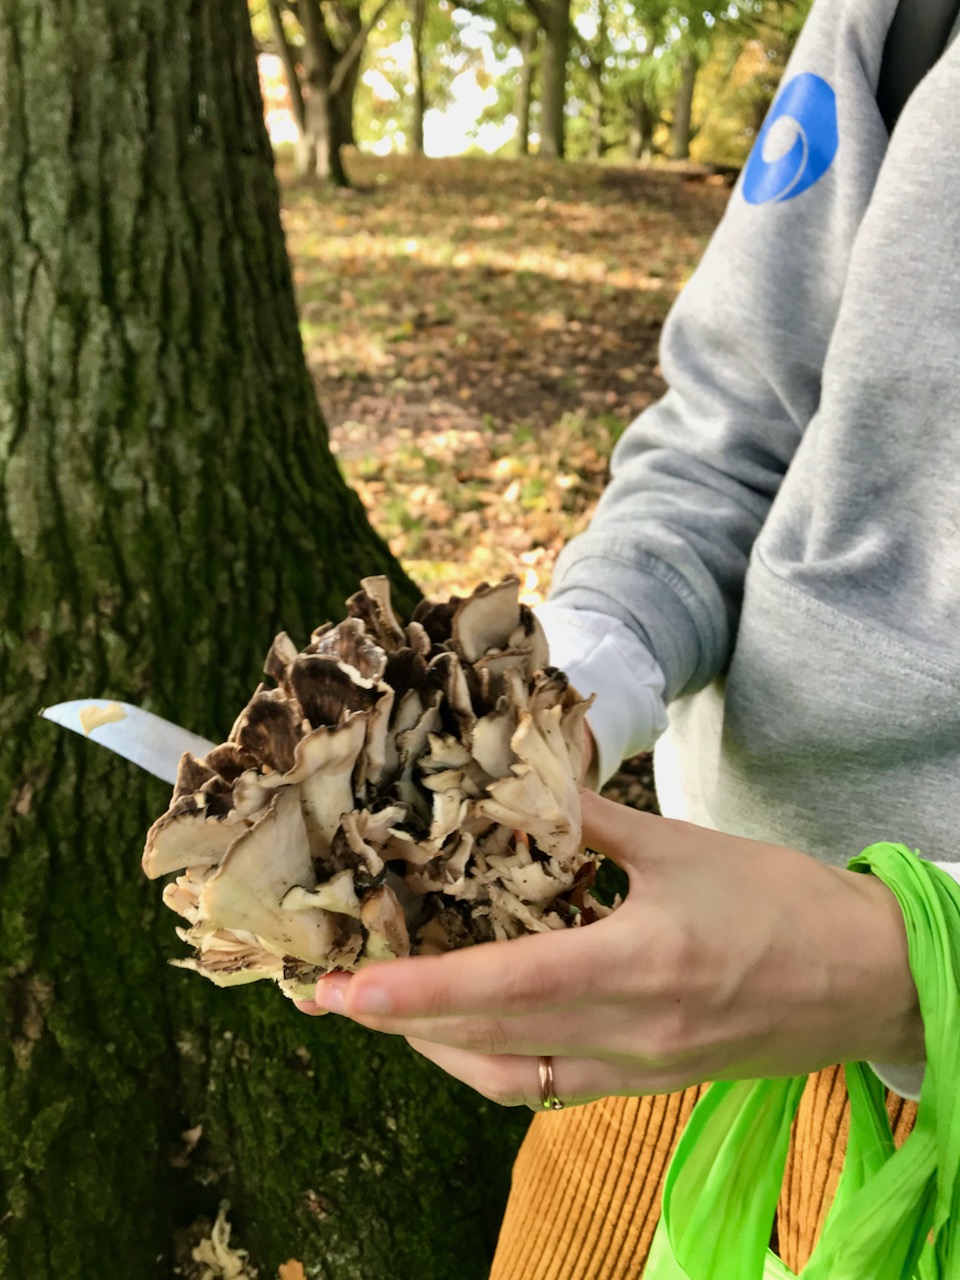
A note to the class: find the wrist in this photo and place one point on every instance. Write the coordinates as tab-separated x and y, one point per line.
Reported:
883	987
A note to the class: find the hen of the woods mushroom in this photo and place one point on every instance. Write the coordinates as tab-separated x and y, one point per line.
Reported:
400	791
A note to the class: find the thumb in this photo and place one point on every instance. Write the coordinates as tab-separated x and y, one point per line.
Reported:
616	830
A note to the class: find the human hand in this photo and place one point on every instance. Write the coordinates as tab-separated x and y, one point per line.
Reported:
728	959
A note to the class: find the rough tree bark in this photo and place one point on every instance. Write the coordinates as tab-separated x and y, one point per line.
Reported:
167	502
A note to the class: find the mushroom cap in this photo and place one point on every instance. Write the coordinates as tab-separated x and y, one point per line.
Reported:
186	836
248	888
486	620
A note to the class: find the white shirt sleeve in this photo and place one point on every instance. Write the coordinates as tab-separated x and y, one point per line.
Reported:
603	657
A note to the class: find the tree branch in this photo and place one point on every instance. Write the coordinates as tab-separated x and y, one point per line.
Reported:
541	12
354	50
319	45
289	64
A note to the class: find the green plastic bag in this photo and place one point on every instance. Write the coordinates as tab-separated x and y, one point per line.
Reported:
896	1214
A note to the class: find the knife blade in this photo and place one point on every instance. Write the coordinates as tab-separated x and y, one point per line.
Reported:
144	739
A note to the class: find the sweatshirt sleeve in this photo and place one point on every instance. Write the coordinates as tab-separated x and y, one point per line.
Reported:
742	351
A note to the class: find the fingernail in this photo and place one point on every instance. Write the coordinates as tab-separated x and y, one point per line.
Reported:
329	997
371	1000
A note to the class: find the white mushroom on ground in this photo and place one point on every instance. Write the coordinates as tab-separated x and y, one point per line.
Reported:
400	791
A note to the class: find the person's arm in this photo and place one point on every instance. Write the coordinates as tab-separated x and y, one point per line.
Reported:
742	353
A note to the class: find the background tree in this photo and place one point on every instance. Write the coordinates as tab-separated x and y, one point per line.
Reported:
413	56
632	84
514	33
418	24
321	44
693	32
618	78
740	76
528	43
554	19
167	502
592	58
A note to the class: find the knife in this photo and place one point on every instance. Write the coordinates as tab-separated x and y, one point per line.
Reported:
149	741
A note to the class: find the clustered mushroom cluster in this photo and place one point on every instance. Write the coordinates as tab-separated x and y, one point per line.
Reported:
400	790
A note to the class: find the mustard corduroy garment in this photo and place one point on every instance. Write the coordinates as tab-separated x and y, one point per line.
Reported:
585	1196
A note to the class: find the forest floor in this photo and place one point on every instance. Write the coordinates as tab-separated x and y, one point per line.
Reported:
480	333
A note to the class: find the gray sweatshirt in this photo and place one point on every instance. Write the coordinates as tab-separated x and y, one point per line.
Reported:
782	530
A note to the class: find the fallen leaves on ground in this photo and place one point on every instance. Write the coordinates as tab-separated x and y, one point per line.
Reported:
480	333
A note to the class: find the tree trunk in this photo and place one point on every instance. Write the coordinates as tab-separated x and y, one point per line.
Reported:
168	501
556	51
345	102
597	61
324	123
682	114
419	90
345	94
641	131
289	69
524	99
596	112
323	129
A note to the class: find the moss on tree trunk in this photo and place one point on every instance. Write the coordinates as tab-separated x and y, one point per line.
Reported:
167	502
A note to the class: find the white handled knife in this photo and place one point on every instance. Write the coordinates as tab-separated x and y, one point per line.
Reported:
139	736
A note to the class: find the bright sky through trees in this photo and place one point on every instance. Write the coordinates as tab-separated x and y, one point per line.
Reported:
457	127
448	131
662	79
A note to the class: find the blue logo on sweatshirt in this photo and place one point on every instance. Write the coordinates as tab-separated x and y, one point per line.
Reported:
806	109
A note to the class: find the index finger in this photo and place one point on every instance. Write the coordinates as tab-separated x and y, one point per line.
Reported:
524	975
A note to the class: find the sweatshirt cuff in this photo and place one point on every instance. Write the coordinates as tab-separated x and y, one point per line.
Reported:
603	657
907	1079
904	1079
